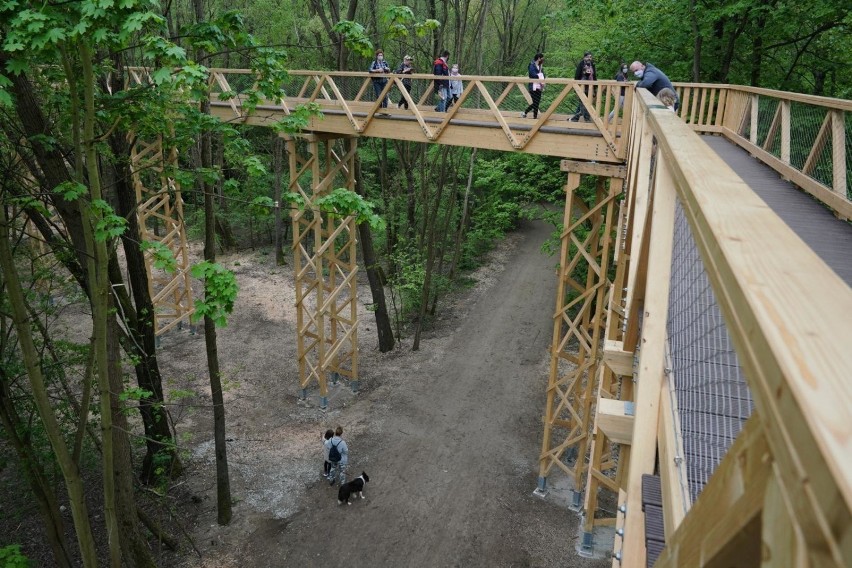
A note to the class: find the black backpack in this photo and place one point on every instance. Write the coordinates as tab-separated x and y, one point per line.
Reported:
334	453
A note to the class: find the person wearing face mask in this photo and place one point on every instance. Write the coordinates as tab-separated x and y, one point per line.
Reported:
380	67
585	71
652	79
620	76
535	71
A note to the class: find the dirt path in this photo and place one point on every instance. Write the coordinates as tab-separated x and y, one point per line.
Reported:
449	436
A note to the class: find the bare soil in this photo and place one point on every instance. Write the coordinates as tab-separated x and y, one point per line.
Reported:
449	435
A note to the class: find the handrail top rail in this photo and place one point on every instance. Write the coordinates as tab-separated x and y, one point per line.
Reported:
764	274
830	102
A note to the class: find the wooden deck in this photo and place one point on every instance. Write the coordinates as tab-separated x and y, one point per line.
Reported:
829	237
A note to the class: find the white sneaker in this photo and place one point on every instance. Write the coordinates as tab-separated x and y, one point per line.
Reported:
523	115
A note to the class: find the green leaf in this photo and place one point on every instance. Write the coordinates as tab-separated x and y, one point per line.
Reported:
108	225
161	255
220	292
71	190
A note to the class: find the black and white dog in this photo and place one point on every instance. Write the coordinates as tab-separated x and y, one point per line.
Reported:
354	487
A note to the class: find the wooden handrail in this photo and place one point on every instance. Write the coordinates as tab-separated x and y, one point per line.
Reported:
787	314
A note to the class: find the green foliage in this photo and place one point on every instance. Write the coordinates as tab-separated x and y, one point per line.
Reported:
12	557
71	190
161	255
108	224
407	282
220	292
355	37
298	119
343	203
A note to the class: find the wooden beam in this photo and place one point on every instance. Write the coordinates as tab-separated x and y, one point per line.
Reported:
617	359
651	358
593	168
726	509
615	419
675	487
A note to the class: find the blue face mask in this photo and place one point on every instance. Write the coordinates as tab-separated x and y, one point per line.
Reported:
638	73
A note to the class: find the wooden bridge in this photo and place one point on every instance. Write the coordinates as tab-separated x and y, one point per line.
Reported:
699	374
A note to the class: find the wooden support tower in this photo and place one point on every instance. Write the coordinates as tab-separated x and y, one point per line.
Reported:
160	217
578	323
324	251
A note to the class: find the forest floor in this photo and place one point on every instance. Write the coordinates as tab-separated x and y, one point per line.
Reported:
449	435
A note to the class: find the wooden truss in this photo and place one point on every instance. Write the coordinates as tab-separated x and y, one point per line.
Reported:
160	216
578	323
324	250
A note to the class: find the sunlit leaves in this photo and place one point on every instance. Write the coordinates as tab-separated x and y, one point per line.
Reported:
298	119
220	292
343	202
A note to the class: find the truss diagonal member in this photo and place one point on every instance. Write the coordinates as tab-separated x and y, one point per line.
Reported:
358	126
412	106
219	78
545	116
607	135
495	110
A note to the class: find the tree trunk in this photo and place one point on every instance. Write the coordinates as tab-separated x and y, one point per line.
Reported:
277	165
48	504
377	289
223	483
70	472
430	251
462	218
696	44
161	453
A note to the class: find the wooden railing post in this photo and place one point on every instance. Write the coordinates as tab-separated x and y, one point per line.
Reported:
838	152
785	131
752	131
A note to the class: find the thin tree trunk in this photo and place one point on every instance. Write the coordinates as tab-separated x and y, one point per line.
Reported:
48	504
223	483
463	218
277	165
377	289
696	44
70	472
430	252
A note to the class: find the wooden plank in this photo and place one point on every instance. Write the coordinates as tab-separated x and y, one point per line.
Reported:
614	421
651	359
593	168
838	203
785	131
617	359
733	499
838	151
676	498
796	358
782	542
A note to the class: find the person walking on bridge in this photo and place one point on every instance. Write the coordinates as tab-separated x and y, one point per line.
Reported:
442	87
652	79
380	68
535	71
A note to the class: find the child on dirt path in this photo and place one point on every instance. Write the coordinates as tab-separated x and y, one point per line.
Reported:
326	466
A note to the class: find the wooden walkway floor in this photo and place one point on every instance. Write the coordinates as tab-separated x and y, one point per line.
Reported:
829	237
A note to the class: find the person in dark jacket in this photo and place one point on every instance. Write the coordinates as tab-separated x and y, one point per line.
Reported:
652	79
442	86
620	76
405	68
380	67
535	71
585	72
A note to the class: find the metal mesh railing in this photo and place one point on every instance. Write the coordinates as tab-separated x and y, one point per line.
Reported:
710	393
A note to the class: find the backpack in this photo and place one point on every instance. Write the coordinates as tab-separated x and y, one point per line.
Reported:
334	453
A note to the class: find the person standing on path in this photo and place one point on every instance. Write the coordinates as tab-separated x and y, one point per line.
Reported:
338	455
442	88
405	68
652	79
535	71
380	67
326	465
